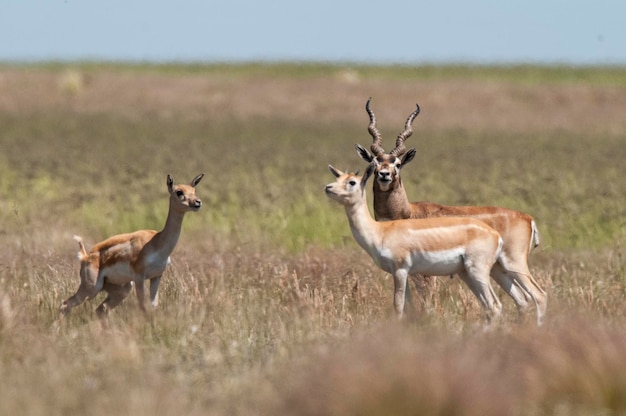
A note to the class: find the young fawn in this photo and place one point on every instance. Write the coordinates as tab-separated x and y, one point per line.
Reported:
118	262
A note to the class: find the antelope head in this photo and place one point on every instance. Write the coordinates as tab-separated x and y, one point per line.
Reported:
349	188
183	197
387	165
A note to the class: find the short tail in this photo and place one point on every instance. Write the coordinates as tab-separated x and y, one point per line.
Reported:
82	253
534	236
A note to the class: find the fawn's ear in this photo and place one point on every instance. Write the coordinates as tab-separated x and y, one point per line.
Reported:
170	183
336	172
365	155
367	174
197	179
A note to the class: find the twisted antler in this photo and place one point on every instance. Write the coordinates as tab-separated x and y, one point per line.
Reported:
400	149
376	147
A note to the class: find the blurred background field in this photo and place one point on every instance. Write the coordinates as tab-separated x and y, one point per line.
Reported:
270	307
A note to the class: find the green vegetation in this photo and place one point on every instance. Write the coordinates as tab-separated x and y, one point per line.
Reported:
517	74
269	306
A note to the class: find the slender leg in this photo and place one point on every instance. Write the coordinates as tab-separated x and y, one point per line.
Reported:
525	280
514	263
517	270
154	291
482	289
399	279
139	290
509	285
116	294
75	300
90	285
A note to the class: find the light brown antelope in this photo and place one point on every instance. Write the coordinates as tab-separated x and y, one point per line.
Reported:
517	229
118	262
438	246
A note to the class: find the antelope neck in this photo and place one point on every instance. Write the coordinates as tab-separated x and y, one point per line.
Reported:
392	204
364	228
168	237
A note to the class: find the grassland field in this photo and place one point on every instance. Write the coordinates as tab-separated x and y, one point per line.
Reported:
269	306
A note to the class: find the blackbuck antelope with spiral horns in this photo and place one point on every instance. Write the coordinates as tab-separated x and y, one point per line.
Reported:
118	262
436	246
517	229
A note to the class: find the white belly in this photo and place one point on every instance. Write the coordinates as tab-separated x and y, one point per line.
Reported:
118	273
434	263
437	263
121	273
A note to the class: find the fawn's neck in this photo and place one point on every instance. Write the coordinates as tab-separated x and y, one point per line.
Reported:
364	229
168	237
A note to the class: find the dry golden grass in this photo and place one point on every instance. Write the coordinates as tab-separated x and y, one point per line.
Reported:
269	306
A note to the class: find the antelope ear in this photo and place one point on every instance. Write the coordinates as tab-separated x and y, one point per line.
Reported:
197	179
408	156
367	174
365	155
170	183
336	172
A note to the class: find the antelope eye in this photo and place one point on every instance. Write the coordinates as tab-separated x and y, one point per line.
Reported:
179	193
352	182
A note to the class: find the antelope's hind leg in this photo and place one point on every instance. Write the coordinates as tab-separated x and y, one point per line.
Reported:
525	280
115	295
483	290
90	286
516	269
512	288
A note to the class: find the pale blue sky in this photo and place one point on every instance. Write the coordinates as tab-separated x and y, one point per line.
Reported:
384	32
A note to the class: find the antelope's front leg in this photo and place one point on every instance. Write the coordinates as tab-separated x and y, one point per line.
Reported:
399	281
154	291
